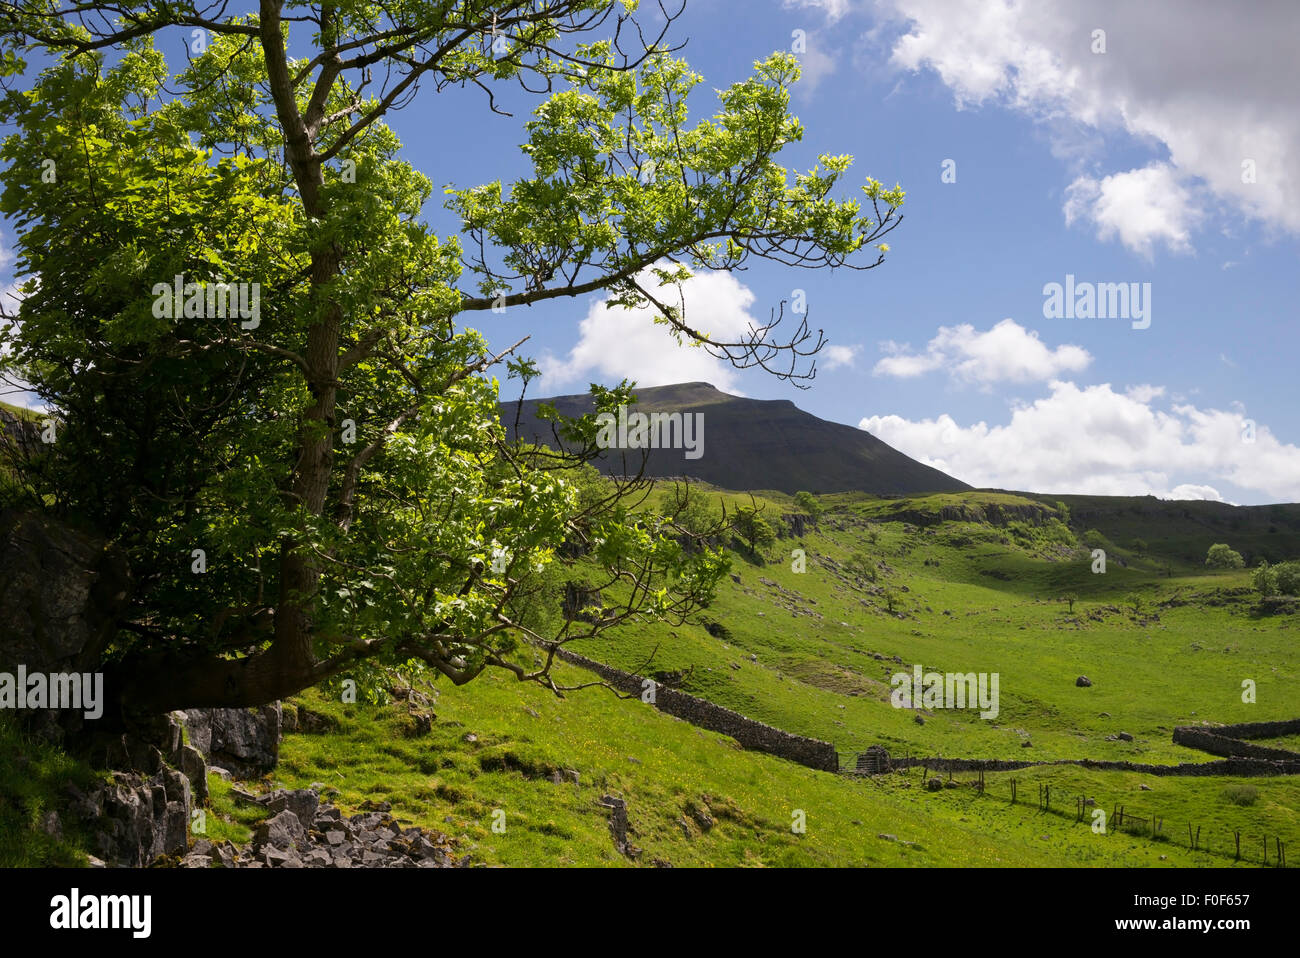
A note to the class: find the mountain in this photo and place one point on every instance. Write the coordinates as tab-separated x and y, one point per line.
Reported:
751	444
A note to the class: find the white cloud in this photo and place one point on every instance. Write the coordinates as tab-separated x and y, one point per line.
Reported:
815	65
1209	86
1006	353
1144	393
618	343
1191	491
833	9
836	356
1094	440
1141	207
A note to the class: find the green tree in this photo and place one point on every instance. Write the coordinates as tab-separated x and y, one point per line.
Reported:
1264	579
1070	598
755	531
809	504
335	455
1287	576
862	564
1220	556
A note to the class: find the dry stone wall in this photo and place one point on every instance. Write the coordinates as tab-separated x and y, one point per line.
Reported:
749	733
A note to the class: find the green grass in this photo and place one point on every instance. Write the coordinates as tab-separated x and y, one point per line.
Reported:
34	778
667	771
22	412
812	653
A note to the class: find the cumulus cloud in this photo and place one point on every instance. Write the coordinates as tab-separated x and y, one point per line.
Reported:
832	357
1192	491
1095	440
1210	89
616	343
1141	207
833	9
1006	353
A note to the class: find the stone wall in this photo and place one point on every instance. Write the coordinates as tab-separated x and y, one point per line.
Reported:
749	733
1217	743
1260	729
1239	766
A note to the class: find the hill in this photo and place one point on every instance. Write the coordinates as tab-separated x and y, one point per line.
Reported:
754	444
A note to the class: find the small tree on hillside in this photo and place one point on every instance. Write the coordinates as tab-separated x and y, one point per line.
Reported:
1070	598
809	504
1287	576
861	564
753	529
1221	556
1264	579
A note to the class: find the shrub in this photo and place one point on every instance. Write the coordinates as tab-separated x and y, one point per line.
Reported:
1220	556
1095	540
1264	579
1287	577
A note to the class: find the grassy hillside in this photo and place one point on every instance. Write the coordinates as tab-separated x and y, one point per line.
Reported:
975	581
957	582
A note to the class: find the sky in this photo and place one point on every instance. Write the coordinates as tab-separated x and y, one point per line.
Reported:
1039	143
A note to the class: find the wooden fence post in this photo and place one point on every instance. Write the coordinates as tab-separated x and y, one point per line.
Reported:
1238	834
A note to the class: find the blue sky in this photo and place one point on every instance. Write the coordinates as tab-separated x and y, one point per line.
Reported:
1122	166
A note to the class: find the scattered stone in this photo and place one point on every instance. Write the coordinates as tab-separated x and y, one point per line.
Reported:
1026	744
917	719
1083	682
1124	737
1144	787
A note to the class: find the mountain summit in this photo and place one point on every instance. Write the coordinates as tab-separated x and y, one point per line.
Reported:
751	444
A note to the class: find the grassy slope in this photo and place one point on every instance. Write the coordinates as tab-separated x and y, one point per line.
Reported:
1180	660
813	672
20	411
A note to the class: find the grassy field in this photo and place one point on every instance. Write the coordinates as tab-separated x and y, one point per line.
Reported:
971	582
1164	642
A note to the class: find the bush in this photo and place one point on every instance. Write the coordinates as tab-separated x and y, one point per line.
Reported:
1241	794
809	504
1221	556
1264	579
862	565
1095	540
1287	577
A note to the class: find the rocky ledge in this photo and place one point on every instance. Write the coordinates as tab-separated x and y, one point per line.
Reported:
305	832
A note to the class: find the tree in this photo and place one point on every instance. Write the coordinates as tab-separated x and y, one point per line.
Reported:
1220	556
1070	598
755	531
1264	579
1139	546
1287	577
809	504
332	454
861	564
